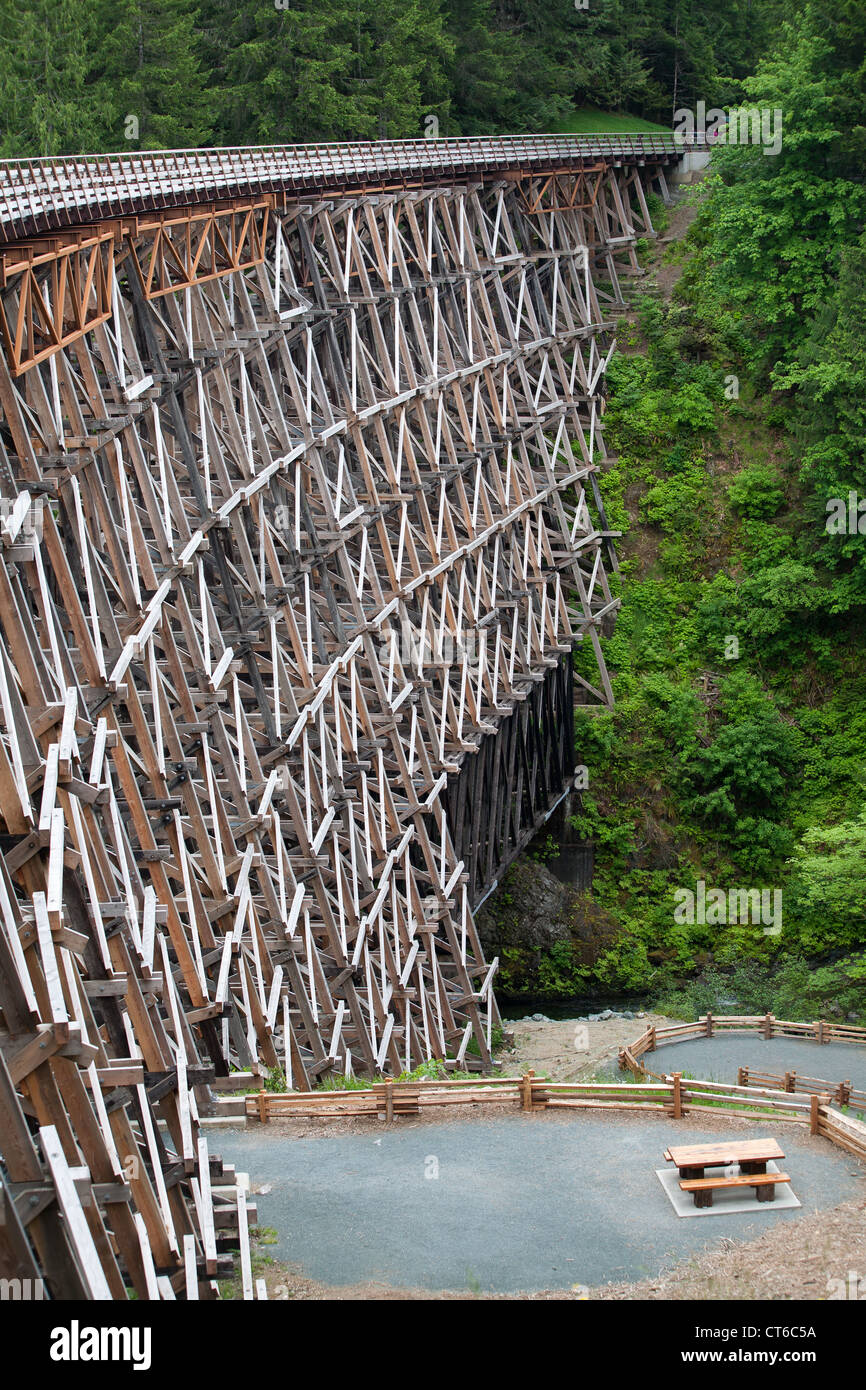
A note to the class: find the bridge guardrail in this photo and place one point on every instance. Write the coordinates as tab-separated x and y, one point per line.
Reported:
47	193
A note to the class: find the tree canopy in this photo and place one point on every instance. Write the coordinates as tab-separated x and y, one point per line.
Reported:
177	73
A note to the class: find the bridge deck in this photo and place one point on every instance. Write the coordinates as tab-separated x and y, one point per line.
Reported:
43	195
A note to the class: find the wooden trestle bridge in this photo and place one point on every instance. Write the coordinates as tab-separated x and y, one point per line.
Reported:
300	529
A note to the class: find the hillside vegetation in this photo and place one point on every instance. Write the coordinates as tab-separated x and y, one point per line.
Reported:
738	412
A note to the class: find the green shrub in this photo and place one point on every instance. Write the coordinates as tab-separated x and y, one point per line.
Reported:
756	492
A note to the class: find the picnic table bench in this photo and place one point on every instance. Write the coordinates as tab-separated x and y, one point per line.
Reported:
751	1156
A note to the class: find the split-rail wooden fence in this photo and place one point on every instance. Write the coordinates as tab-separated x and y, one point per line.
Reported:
674	1096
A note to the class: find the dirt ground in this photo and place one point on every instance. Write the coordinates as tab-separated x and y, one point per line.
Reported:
566	1050
667	273
810	1259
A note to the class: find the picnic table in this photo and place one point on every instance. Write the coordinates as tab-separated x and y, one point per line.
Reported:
750	1155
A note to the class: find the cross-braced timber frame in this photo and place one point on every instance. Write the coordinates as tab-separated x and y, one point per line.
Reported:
498	801
302	526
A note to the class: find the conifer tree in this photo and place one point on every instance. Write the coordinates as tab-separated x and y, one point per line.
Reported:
290	72
47	105
153	92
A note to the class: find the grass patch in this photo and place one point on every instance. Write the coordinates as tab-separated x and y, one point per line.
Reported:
232	1290
434	1070
344	1083
588	120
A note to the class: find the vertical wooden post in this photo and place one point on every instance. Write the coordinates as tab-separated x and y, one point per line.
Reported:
264	1107
389	1101
814	1102
678	1103
651	1046
845	1093
742	1076
790	1077
768	1026
709	1028
526	1086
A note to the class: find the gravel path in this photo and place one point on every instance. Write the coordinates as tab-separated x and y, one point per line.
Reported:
717	1059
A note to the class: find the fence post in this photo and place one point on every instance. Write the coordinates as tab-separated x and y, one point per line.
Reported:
652	1039
526	1085
389	1101
845	1093
814	1102
821	1030
678	1103
789	1080
709	1024
742	1076
264	1107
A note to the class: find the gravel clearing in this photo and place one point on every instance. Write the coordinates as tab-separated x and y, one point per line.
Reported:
807	1262
552	1206
507	1203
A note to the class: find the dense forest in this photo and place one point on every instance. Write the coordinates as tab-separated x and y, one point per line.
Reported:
737	414
128	74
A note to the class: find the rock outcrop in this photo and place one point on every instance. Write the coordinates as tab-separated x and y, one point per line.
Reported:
546	934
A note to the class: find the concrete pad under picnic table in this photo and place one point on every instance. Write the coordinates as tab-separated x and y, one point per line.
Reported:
726	1202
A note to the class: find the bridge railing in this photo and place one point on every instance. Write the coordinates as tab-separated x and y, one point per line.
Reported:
43	194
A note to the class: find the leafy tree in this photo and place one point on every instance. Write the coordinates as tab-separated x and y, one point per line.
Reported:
756	492
829	377
827	895
774	223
